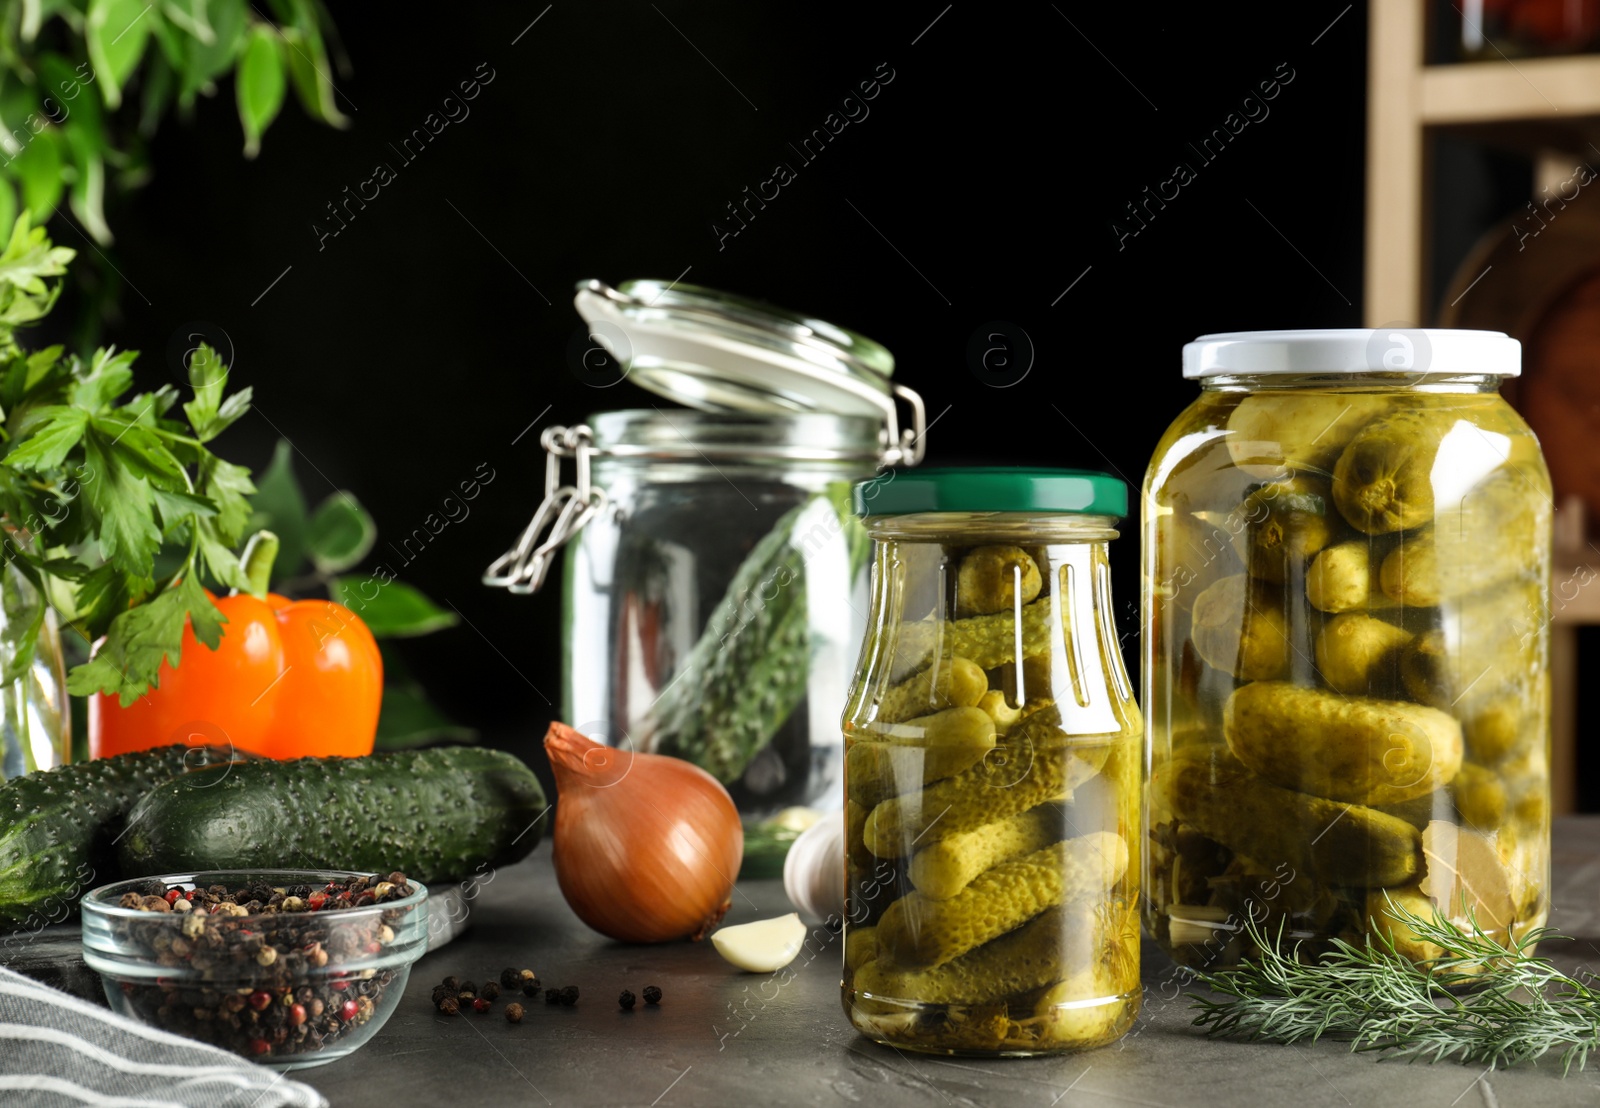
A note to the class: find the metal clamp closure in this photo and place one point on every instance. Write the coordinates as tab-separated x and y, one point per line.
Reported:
564	511
904	448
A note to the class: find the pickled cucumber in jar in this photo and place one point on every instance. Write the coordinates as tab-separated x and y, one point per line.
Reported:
1362	687
994	844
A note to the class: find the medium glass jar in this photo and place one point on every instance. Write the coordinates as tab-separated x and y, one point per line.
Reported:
992	769
715	583
1346	561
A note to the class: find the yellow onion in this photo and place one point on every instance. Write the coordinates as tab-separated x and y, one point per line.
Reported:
646	847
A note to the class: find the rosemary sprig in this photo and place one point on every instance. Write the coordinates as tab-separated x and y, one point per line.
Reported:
1484	1002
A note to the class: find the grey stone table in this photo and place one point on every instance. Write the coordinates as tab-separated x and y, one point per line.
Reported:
725	1038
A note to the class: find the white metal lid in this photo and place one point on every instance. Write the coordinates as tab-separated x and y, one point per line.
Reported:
1354	350
722	353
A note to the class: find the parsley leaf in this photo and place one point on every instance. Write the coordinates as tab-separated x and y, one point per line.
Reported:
129	661
93	483
58	430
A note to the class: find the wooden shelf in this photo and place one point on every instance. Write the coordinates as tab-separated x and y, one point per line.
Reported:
1498	91
1537	105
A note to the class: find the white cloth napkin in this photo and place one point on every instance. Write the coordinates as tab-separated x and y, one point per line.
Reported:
58	1051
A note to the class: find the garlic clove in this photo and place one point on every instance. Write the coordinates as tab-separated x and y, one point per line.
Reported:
763	946
813	873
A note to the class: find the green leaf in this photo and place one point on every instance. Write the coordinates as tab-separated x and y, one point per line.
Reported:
308	68
8	204
27	260
38	169
175	507
149	408
341	533
279	507
47	442
392	611
71	83
259	86
89	186
109	376
160	85
189	16
207	60
115	32
128	662
229	488
409	720
120	500
209	414
220	559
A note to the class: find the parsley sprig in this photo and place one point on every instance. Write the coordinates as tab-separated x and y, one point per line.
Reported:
94	483
1484	1001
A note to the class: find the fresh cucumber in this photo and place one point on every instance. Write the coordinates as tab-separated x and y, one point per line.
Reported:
435	815
749	669
57	828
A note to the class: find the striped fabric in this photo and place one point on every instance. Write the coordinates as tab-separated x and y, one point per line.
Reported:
57	1051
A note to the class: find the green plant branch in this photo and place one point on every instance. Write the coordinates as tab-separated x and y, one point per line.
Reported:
1484	1001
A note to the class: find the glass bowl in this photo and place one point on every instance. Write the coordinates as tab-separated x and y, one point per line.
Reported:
286	989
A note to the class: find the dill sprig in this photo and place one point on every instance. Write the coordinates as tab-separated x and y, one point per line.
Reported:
1484	1002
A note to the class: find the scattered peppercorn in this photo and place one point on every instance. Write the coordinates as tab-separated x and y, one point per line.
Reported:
490	991
481	1005
652	994
468	991
449	1006
626	1000
453	983
552	996
510	978
531	988
513	1013
569	995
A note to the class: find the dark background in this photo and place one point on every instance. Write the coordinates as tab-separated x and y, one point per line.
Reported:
417	344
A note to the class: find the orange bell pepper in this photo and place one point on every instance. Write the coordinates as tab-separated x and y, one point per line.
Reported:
290	678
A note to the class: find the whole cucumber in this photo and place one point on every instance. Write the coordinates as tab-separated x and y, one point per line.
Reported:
435	815
57	829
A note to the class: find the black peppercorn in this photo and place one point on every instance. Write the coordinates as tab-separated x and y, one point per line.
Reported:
626	1000
468	991
490	991
552	996
453	983
652	994
510	978
569	995
531	988
449	1006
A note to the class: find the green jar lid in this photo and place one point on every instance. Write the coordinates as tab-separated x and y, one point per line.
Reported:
991	489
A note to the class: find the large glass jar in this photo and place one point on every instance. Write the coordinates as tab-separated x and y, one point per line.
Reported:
1346	561
715	585
992	769
713	608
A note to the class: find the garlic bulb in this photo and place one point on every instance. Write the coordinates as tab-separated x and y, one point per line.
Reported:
813	873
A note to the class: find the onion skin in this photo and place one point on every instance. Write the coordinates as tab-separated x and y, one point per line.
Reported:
646	847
